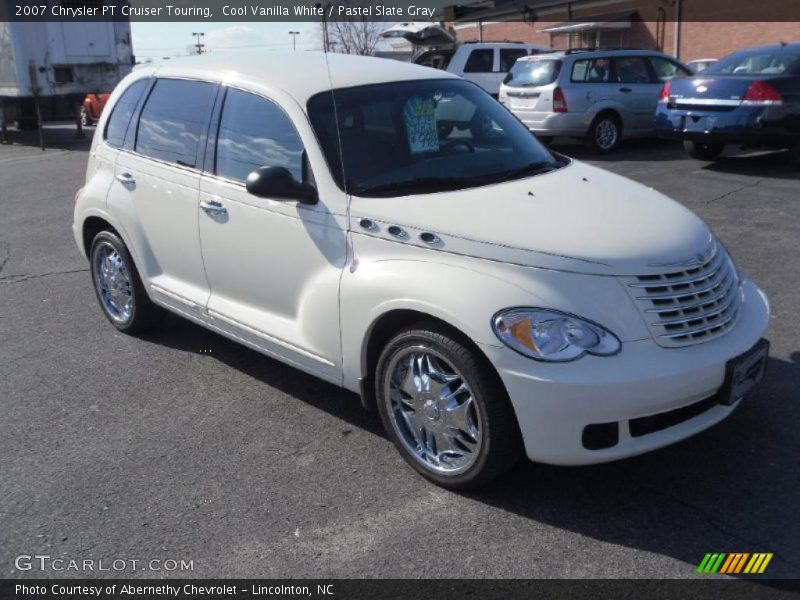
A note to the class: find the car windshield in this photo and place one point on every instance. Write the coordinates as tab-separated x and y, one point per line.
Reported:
423	136
530	73
759	61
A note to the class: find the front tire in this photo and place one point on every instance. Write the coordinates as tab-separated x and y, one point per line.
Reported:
118	287
605	133
703	151
445	409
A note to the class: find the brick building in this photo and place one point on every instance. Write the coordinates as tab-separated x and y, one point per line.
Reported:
687	29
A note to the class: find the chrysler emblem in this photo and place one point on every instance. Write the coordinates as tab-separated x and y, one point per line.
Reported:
701	89
697	260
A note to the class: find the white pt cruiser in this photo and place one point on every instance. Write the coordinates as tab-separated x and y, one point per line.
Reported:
392	229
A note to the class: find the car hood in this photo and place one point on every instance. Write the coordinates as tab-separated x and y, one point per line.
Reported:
578	218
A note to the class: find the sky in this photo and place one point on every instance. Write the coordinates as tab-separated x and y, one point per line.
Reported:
156	40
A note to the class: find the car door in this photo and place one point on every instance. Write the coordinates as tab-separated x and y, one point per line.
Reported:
591	83
104	155
637	90
273	265
158	182
480	67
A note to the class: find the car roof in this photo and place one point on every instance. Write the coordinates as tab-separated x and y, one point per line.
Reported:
592	53
300	74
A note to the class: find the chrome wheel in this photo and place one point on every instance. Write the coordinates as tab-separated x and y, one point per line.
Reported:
606	134
113	283
433	411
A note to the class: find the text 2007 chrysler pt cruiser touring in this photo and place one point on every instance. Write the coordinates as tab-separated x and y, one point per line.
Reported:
392	229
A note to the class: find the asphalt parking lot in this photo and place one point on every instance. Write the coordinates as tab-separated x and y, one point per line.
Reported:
182	445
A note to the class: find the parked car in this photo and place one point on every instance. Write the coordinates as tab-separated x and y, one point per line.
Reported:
490	297
750	98
600	96
484	63
92	108
700	65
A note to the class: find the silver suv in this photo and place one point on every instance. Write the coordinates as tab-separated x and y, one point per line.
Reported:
600	96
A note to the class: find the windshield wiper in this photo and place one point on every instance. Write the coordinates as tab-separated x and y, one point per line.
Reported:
423	184
535	168
435	184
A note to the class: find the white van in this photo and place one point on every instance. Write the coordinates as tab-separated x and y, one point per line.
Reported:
491	298
484	63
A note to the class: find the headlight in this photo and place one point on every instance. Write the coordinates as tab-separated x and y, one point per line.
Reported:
552	336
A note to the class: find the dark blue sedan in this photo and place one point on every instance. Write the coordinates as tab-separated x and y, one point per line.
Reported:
750	98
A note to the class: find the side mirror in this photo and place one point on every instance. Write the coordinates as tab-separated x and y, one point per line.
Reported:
277	183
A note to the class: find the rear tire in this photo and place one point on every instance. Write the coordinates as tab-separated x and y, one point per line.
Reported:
702	150
445	409
605	133
119	288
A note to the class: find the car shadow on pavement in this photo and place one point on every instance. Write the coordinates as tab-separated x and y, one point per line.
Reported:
638	149
186	336
732	488
57	136
777	165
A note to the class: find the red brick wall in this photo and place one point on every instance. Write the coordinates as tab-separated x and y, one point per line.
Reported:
699	39
715	40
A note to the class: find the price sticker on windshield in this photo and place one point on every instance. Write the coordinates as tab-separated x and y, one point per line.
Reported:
420	117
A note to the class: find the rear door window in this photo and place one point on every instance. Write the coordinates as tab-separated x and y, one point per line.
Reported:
254	132
592	70
480	61
509	56
173	120
123	111
631	69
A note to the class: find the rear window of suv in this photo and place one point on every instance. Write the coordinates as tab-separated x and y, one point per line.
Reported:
531	73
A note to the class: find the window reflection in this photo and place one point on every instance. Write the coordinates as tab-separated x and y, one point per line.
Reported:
172	120
255	133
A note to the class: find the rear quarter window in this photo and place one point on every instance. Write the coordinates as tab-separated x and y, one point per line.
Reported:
666	69
122	113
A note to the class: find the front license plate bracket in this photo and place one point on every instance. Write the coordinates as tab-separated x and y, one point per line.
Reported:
743	373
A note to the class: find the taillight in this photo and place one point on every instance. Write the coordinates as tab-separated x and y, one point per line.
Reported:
559	101
761	92
664	95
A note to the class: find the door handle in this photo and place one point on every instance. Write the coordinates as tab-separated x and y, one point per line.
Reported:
213	208
625	90
126	179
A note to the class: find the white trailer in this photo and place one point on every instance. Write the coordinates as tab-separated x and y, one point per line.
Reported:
47	68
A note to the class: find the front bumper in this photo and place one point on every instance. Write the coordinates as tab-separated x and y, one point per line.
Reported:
554	402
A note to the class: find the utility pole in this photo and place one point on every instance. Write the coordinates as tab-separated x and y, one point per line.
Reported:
294	35
198	45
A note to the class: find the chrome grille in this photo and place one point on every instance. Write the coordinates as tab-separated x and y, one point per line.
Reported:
690	306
